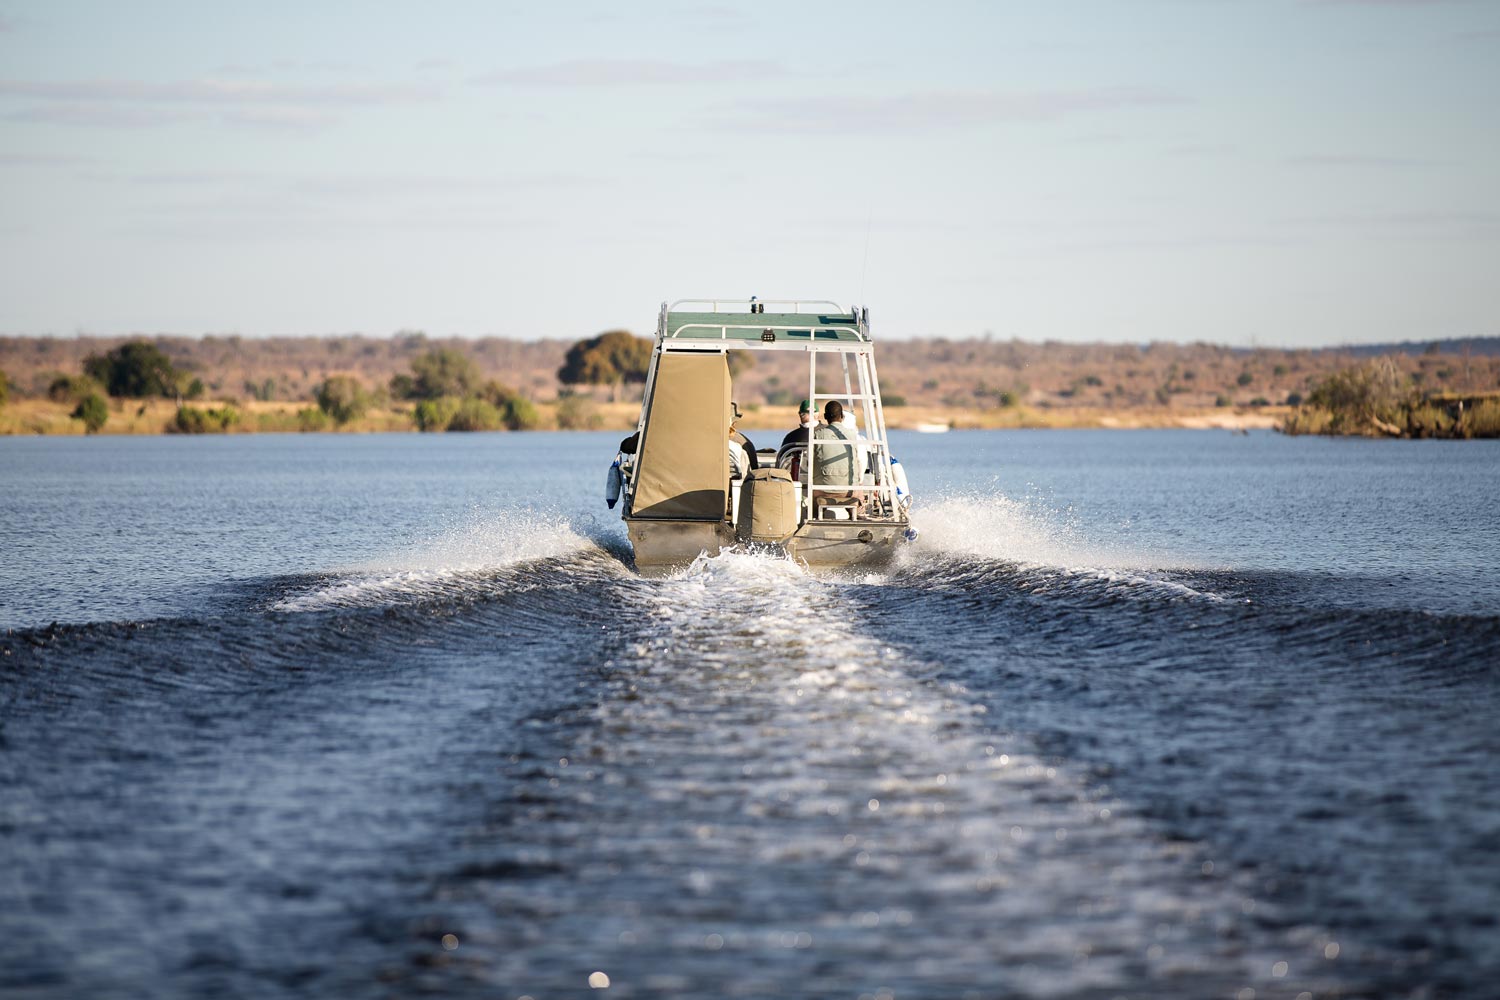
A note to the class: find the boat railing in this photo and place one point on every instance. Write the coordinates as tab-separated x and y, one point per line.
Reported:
723	339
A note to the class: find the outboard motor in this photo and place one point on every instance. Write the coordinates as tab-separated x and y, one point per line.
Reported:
768	507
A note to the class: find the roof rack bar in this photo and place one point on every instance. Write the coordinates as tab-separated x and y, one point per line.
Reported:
676	344
796	304
722	329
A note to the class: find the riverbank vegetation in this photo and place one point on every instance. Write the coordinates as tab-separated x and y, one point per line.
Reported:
1378	399
415	383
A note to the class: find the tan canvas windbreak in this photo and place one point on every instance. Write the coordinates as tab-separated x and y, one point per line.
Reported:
682	471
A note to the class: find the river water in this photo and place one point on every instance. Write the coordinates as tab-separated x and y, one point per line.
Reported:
1141	714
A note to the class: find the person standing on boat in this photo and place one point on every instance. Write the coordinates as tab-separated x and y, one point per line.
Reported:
799	434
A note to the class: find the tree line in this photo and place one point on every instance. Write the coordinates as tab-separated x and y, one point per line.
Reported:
444	386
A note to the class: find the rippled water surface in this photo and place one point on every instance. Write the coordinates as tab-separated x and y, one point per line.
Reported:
1141	714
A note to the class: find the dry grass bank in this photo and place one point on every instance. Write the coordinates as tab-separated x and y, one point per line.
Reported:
158	416
957	375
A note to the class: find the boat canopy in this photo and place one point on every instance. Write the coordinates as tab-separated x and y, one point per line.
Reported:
682	462
787	326
690	323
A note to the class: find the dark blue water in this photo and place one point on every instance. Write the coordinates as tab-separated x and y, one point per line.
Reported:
1147	714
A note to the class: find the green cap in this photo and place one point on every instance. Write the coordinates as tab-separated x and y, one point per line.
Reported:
806	406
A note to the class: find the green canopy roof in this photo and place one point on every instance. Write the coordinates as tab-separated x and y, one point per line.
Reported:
748	326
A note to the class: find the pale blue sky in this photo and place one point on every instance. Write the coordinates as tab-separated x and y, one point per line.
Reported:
1281	172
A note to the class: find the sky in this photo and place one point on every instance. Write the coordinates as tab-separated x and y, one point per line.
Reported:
1249	172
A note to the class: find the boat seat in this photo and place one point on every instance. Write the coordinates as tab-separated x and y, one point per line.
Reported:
792	457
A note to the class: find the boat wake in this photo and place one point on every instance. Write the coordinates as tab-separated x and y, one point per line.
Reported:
794	756
992	542
514	550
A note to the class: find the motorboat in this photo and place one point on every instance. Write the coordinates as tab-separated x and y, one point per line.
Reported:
837	499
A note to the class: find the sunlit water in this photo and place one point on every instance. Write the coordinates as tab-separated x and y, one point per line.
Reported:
1156	714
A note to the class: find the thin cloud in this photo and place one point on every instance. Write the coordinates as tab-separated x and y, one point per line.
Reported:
632	73
232	101
212	92
1202	149
1462	225
1377	3
1355	160
713	16
96	116
233	227
295	119
927	111
333	188
43	160
1476	218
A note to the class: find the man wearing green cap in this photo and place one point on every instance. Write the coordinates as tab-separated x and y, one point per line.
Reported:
799	436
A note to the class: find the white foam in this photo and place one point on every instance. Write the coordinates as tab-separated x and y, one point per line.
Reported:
464	556
998	527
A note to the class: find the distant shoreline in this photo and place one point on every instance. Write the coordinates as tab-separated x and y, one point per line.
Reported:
34	417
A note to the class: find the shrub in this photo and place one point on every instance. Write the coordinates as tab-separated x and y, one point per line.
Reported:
4	389
261	390
521	415
893	399
191	420
72	388
1429	421
608	359
1481	420
1244	379
434	414
1223	400
311	421
1307	420
342	398
1359	399
578	413
441	372
93	411
135	369
475	414
496	394
1294	399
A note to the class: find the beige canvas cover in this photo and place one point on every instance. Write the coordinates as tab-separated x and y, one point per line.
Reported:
768	506
683	465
